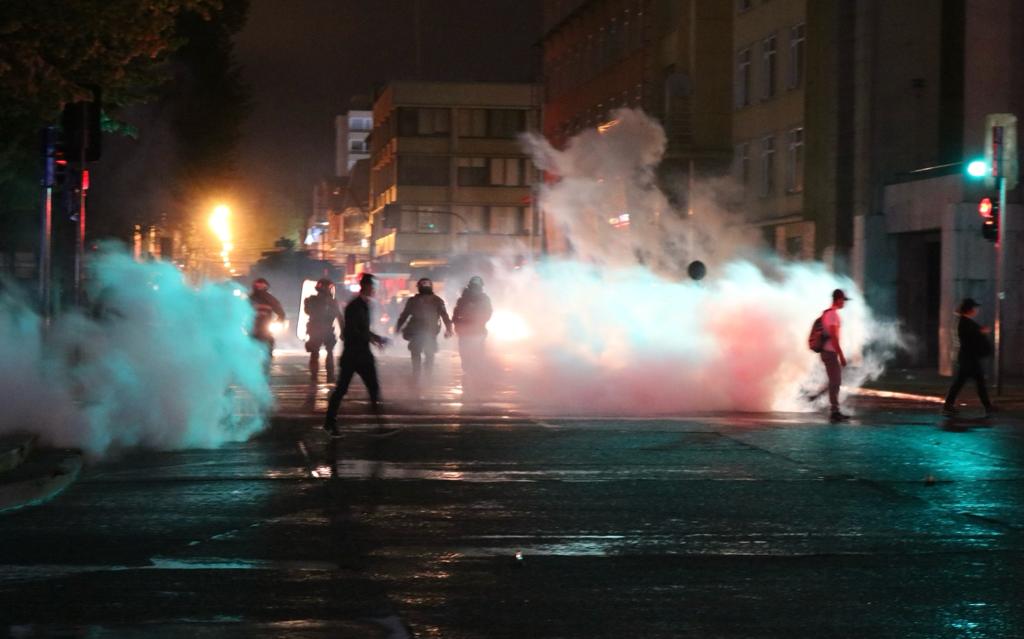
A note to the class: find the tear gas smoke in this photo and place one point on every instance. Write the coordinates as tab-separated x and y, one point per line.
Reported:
620	327
157	364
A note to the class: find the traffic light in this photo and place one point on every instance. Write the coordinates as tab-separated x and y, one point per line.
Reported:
989	211
81	127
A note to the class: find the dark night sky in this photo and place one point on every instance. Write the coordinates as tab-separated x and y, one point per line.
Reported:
303	59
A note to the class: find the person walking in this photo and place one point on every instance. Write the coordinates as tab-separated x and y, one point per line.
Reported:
470	317
974	346
322	313
356	356
267	307
421	319
832	353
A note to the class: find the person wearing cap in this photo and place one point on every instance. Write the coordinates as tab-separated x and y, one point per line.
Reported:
470	317
974	347
421	319
266	306
832	353
322	313
356	357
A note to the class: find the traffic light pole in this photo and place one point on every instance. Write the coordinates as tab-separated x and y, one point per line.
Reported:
1000	293
46	222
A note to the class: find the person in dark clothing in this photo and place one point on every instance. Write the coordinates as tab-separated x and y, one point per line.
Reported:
266	307
356	357
974	346
470	317
322	311
421	319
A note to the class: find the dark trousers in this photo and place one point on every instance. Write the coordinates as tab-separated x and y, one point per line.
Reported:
965	370
362	364
835	377
313	348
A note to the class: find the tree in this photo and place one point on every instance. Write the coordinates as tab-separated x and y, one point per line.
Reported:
51	50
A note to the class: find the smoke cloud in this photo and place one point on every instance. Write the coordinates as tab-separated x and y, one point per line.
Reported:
619	327
157	363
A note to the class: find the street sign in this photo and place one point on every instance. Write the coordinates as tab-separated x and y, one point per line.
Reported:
1001	148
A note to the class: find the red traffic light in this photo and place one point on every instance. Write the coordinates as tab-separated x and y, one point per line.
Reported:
985	207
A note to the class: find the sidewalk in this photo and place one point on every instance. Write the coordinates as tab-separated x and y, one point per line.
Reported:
927	383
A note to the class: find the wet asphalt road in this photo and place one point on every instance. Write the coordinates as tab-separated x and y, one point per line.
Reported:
715	526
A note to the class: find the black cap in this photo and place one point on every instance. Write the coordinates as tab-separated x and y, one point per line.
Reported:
838	294
969	304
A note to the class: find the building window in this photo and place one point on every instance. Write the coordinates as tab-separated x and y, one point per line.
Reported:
360	124
472	171
506	220
743	163
432	219
796	56
743	77
795	247
473	218
505	123
767	165
423	122
506	171
423	170
768	73
357	145
795	160
472	123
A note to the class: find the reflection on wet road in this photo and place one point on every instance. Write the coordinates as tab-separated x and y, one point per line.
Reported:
482	519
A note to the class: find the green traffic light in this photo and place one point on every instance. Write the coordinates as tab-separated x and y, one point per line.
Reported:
977	168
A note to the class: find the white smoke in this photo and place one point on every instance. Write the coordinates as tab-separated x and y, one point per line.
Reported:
157	364
617	326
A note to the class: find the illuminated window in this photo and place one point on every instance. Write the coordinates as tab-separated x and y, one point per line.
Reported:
423	122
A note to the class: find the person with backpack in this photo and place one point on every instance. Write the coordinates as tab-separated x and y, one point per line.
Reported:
420	323
824	339
471	314
322	313
974	346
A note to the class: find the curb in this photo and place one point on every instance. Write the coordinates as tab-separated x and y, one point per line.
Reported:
42	481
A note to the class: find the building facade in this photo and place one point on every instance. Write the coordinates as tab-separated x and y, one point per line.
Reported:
669	58
853	123
769	102
351	133
449	180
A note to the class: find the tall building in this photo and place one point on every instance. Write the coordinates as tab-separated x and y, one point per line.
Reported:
853	122
351	130
449	180
769	102
667	57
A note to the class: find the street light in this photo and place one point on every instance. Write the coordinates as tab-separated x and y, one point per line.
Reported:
220	224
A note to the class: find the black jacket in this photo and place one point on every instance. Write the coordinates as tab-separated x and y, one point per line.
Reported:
424	312
472	312
356	332
973	343
322	310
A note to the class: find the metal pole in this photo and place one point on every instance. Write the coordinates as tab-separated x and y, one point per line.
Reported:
1000	293
82	185
46	222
